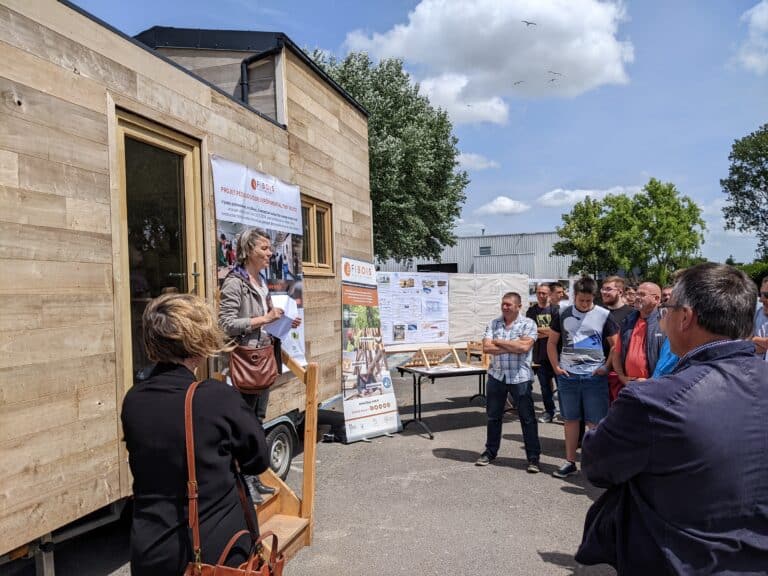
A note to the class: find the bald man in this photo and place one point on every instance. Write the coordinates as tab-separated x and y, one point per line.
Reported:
640	337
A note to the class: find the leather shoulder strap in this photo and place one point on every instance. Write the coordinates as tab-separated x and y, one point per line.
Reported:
194	521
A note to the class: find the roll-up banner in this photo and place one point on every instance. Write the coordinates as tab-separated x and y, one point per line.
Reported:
370	406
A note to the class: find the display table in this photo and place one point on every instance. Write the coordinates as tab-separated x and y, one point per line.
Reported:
434	373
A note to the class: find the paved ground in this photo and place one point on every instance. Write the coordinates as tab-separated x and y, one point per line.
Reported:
409	505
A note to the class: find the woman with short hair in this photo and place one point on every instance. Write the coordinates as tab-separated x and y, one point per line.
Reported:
245	309
179	334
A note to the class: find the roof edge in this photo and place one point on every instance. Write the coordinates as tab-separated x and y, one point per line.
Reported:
156	54
281	39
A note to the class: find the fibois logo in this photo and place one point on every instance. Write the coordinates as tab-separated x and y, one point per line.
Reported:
359	272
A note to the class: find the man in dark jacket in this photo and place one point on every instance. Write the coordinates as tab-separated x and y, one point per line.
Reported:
683	457
640	337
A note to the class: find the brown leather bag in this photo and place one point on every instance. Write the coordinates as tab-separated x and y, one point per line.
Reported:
252	369
255	565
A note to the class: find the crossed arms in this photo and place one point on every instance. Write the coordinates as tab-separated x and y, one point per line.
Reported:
498	346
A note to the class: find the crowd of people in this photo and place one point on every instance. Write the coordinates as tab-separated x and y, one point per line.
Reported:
669	383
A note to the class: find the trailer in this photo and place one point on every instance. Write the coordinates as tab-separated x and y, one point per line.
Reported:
105	146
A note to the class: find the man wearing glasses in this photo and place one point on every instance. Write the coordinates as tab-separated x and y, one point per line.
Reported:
761	322
612	295
640	338
683	458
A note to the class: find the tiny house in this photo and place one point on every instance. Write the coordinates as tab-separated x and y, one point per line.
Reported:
105	138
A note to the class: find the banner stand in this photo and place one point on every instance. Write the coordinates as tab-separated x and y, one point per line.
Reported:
370	406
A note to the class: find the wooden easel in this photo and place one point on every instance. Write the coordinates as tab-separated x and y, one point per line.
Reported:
430	357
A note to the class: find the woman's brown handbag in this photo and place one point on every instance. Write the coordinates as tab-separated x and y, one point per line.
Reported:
255	565
252	370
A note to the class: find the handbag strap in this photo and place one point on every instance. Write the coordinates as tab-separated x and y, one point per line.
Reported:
192	491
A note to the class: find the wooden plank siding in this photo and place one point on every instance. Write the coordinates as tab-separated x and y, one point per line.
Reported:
63	78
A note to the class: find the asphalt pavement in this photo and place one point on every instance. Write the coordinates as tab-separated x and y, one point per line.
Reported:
409	505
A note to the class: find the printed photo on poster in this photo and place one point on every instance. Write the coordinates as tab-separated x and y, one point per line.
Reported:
247	199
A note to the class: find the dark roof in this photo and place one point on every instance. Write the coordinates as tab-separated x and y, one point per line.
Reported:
235	40
238	41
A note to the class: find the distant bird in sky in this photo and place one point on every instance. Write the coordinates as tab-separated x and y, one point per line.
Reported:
553	79
518	82
528	23
555	73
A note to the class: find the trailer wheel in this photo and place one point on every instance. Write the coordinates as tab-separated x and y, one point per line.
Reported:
280	444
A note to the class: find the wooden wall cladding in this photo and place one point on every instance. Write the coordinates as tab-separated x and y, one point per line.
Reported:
60	386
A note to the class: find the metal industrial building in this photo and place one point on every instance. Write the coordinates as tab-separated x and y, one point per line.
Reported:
492	254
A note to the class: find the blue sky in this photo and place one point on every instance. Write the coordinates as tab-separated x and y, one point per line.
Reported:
645	89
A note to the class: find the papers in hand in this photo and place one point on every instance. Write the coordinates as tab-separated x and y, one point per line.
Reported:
281	327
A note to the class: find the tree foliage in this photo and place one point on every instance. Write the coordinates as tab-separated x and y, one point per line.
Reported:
648	235
755	270
746	208
416	189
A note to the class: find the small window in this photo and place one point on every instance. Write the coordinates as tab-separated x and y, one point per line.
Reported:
317	252
485	250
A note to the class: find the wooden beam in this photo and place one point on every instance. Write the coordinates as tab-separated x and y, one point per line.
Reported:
310	446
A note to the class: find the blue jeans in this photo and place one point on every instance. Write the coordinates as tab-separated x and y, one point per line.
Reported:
496	398
546	376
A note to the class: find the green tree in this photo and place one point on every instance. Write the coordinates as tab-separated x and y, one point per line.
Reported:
416	188
756	270
746	208
583	236
648	235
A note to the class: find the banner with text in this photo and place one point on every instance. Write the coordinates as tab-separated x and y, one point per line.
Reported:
245	198
370	406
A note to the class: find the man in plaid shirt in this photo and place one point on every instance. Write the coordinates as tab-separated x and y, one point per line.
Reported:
509	340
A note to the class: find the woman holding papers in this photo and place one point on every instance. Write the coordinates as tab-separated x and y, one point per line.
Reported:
246	308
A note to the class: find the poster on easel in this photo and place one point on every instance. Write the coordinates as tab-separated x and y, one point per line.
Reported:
370	406
414	307
246	198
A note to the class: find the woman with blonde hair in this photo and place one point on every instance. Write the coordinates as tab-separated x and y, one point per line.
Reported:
179	334
246	308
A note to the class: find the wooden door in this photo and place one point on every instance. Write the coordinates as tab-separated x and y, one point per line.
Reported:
161	215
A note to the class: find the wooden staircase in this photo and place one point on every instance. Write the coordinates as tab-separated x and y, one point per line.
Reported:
283	512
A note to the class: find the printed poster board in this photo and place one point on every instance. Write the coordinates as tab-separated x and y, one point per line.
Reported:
247	198
414	307
370	406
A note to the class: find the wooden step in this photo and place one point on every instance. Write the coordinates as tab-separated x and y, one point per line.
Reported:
269	507
292	533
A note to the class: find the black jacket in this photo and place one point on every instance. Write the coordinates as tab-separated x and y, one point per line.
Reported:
225	430
684	461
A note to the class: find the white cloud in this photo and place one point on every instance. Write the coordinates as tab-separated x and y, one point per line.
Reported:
753	52
502	205
714	208
464	228
470	161
472	54
712	213
561	197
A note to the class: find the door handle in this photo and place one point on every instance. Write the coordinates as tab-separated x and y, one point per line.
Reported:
195	276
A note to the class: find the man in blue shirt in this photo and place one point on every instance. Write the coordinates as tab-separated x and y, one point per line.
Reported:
683	457
509	340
